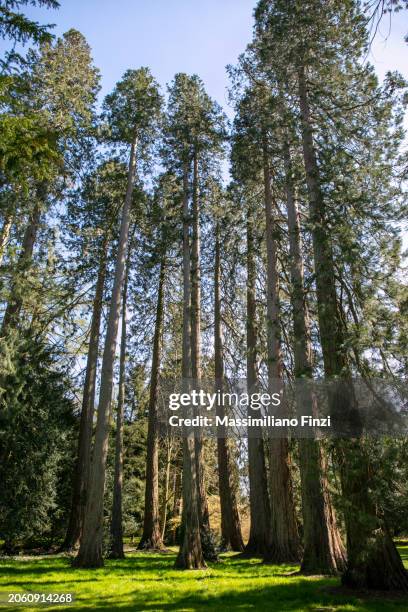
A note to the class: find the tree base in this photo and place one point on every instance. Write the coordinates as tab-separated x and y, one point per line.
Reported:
190	554
318	569
68	548
329	564
189	561
71	542
283	554
256	548
86	564
116	554
378	567
237	548
90	558
280	558
151	544
228	546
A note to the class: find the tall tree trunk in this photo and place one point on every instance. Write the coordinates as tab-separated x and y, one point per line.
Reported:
230	523
152	537
323	549
190	555
165	498
285	544
83	461
208	548
116	527
91	545
15	303
373	559
4	235
259	535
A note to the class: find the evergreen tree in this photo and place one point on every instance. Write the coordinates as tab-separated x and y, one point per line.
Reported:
61	85
95	211
162	238
17	27
372	557
194	125
131	112
36	426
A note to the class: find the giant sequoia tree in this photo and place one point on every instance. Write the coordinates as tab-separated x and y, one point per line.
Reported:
161	237
131	113
372	557
95	211
230	520
252	136
194	127
264	124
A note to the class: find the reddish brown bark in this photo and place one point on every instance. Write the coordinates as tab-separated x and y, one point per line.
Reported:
91	544
166	487
152	537
285	543
190	555
116	527
83	461
208	549
259	535
373	560
323	549
230	522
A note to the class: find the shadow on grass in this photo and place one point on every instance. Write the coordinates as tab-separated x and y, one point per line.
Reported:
278	598
37	567
148	582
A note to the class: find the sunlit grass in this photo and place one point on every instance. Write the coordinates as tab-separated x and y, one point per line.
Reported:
145	581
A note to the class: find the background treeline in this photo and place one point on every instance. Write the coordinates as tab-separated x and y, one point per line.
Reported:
125	258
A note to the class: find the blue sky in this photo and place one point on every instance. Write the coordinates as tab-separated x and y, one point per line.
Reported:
193	36
169	36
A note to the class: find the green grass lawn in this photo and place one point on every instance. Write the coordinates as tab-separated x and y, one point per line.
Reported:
145	581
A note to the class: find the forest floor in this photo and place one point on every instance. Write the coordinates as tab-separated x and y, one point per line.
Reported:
148	582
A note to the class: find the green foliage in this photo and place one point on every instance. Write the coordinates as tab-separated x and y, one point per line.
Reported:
17	26
389	484
91	215
133	108
134	466
64	83
36	425
193	120
27	149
